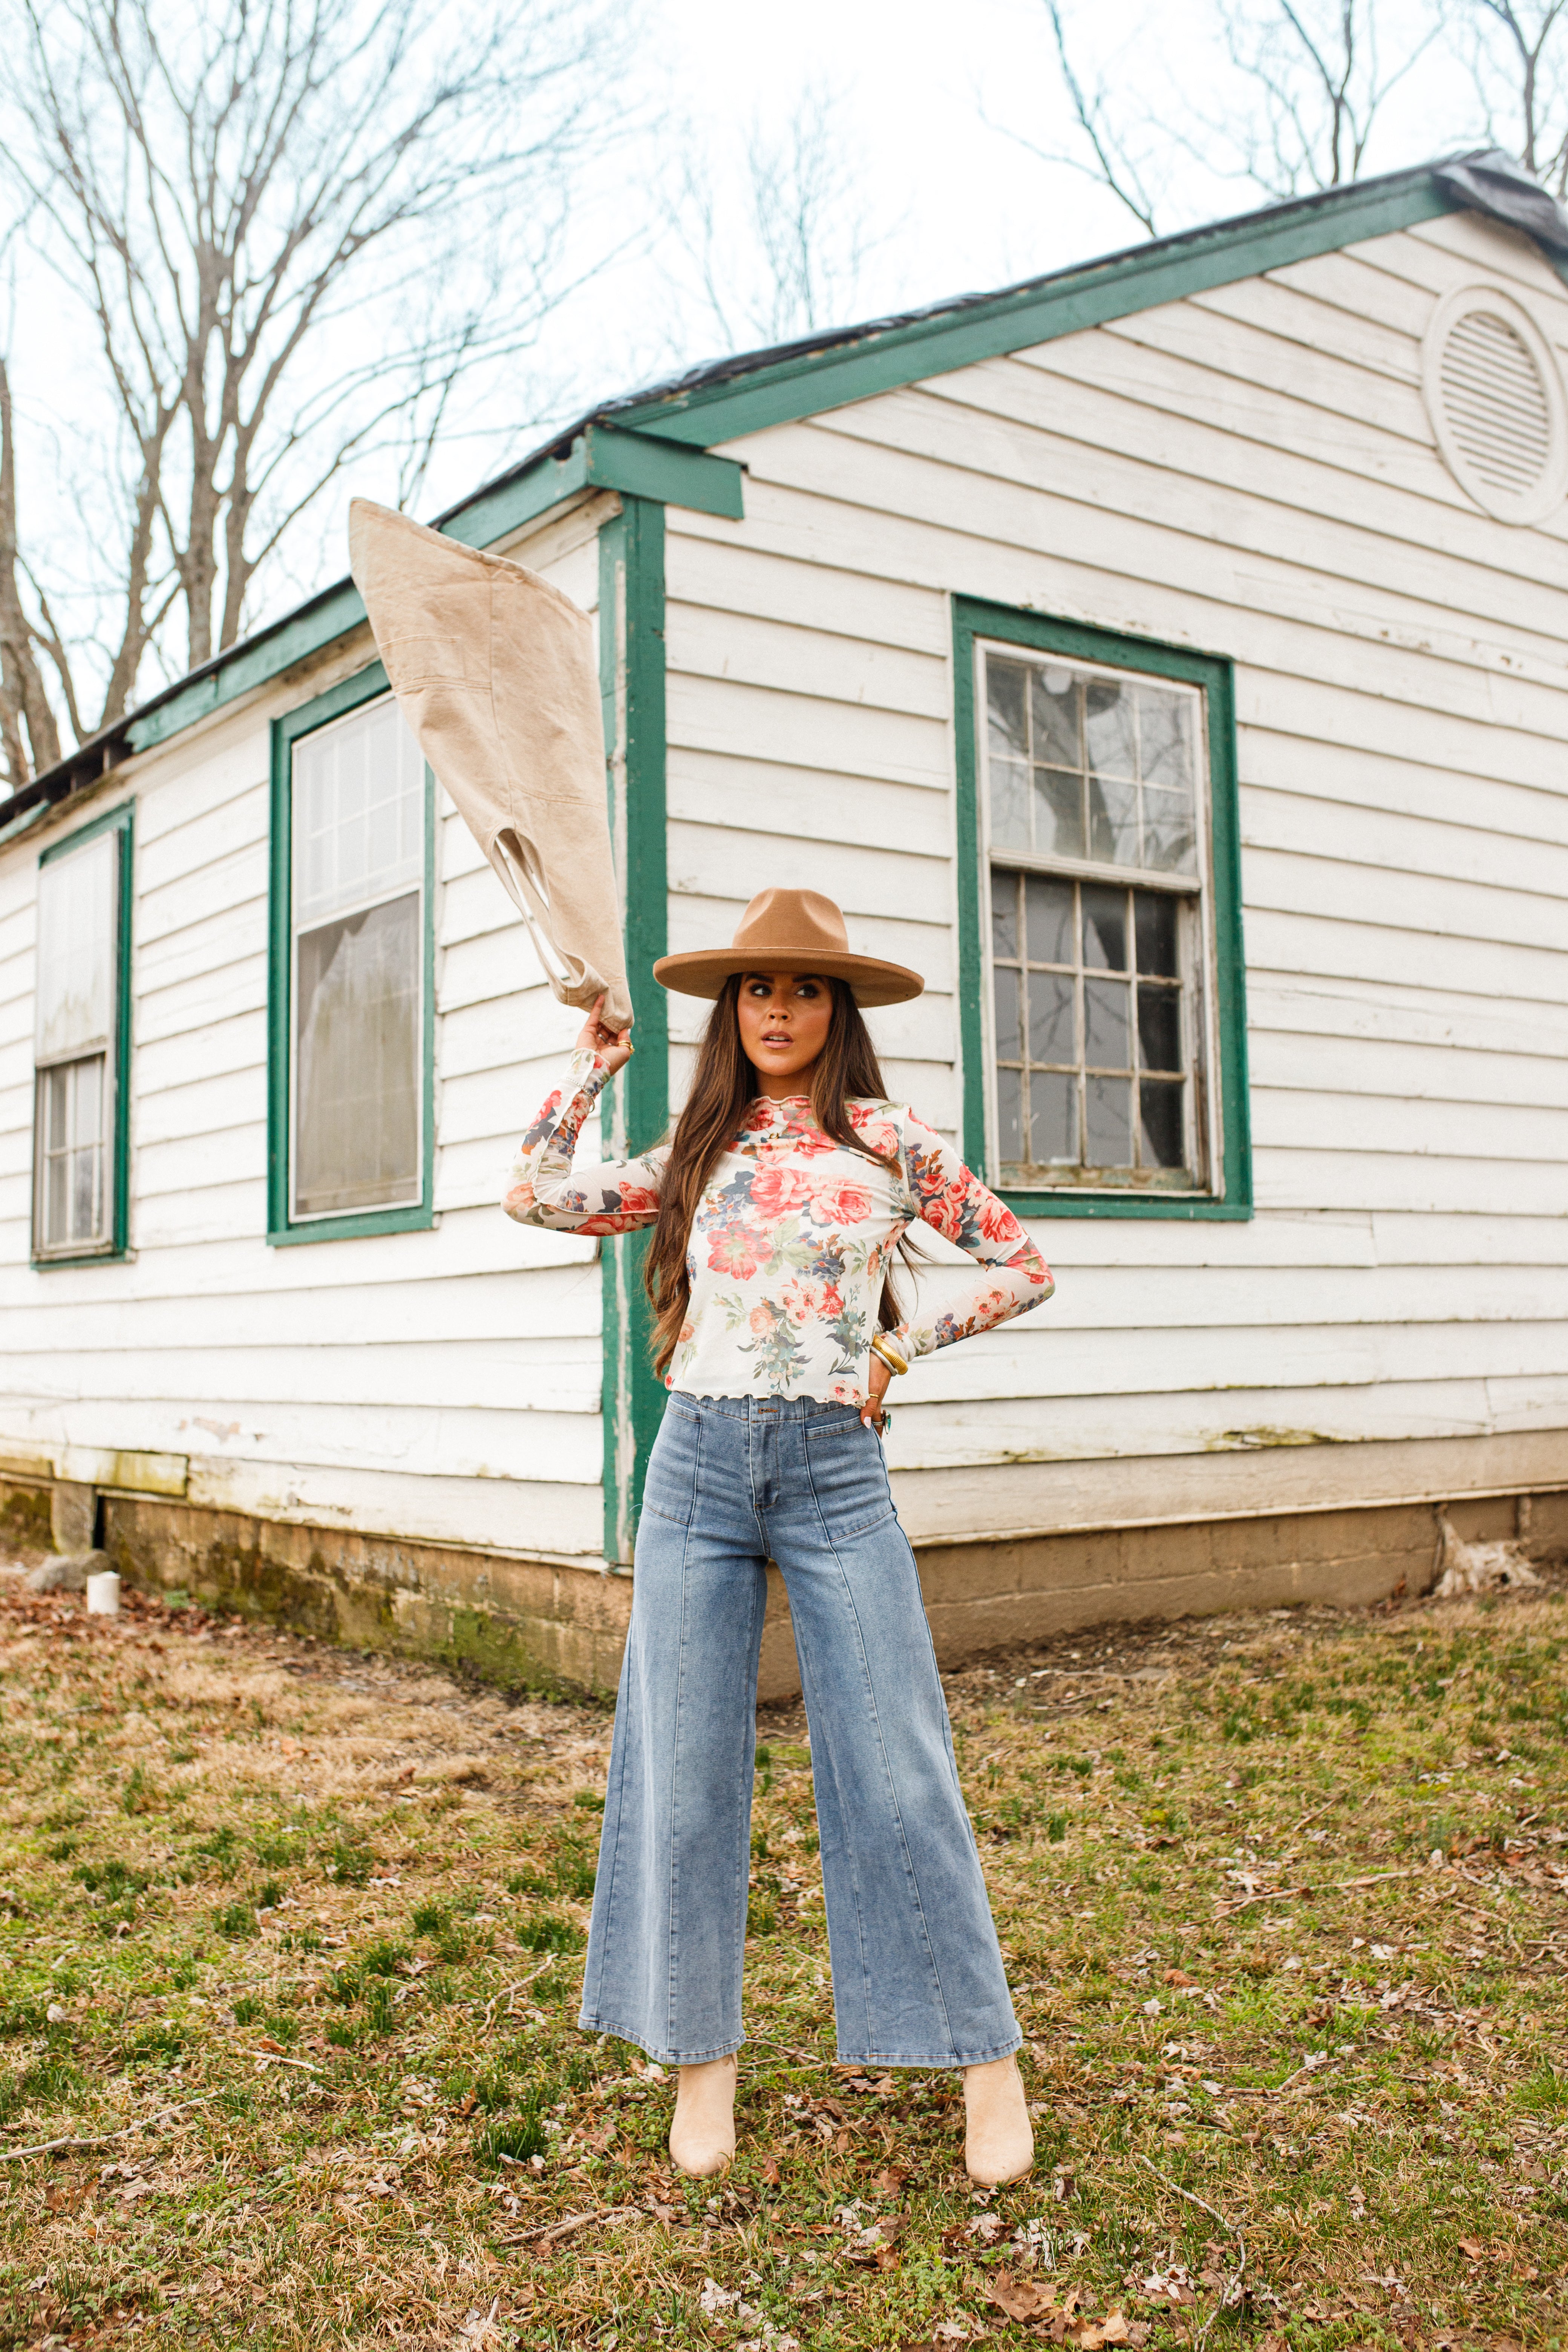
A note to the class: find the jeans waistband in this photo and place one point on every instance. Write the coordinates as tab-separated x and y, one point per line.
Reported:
762	1408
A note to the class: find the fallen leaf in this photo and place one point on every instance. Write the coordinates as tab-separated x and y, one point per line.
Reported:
1018	2298
1179	1977
1473	2247
888	2183
771	2171
841	2144
470	2103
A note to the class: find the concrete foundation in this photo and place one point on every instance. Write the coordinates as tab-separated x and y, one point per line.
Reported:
535	1623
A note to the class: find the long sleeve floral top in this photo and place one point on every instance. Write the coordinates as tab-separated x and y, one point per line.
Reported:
791	1238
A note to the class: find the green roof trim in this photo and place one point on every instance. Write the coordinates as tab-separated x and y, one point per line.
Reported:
957	335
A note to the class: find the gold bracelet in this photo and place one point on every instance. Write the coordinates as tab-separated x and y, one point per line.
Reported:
890	1354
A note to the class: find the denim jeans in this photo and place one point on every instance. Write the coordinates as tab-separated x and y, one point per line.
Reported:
917	1974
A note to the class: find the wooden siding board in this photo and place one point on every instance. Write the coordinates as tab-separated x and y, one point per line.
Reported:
746	796
1094	459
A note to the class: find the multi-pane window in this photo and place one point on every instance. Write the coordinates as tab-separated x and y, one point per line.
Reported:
77	1016
1097	849
357	917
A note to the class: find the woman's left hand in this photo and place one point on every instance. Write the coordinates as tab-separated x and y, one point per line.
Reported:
876	1379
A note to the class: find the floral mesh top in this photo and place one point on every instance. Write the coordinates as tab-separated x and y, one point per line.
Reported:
791	1239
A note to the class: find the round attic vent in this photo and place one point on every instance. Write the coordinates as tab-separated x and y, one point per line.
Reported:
1495	396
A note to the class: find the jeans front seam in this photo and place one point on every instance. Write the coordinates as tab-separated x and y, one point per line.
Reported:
614	1853
671	1990
910	1871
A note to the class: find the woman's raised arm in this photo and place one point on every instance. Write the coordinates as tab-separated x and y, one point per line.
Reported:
614	1196
956	1204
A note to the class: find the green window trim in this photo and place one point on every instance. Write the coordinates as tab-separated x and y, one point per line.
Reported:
975	621
121	819
366	686
636	1104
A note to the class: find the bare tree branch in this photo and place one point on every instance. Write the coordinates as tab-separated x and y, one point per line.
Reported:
1523	50
23	701
789	255
296	226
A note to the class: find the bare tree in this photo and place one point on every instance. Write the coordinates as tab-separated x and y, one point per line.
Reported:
1518	55
1307	82
1318	69
293	224
779	248
23	701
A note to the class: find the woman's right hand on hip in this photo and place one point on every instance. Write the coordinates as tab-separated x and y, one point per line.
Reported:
613	1047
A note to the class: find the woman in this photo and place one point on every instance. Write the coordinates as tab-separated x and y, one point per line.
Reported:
776	1207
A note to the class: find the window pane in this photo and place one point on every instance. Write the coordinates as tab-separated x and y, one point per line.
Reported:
1004	914
1047	910
1009	805
1154	918
1055	717
1112	822
1054	1103
1170	845
1059	812
72	1104
1051	1024
1160	1028
1009	1039
78	933
1108	1110
1160	1102
1006	685
357	1061
1010	1117
1104	928
358	813
1108	727
1164	738
1107	1037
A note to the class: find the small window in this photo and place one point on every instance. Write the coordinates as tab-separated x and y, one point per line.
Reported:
80	1044
1494	392
1097	980
1099	793
354	809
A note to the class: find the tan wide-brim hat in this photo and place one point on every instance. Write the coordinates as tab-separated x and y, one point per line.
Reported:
789	930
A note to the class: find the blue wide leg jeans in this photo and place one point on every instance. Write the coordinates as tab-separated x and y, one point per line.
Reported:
918	1981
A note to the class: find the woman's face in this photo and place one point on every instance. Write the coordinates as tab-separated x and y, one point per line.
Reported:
784	1019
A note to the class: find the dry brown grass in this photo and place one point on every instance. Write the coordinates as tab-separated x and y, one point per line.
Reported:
305	1929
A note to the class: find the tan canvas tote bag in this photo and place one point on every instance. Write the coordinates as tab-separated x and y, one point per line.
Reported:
494	671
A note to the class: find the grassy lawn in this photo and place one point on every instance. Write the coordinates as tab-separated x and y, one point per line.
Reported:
1283	1902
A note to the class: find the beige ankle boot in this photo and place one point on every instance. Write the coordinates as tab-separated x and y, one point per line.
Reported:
702	2132
998	2143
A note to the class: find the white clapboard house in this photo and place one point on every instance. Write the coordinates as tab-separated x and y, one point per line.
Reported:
1166	657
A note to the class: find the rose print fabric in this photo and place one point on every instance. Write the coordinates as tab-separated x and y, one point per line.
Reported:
792	1239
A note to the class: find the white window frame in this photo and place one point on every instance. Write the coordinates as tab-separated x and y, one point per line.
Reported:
353	700
106	1045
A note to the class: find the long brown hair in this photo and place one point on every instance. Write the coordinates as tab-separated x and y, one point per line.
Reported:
723	1088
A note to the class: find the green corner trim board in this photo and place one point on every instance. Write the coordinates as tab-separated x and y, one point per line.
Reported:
281	1229
975	621
632	687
